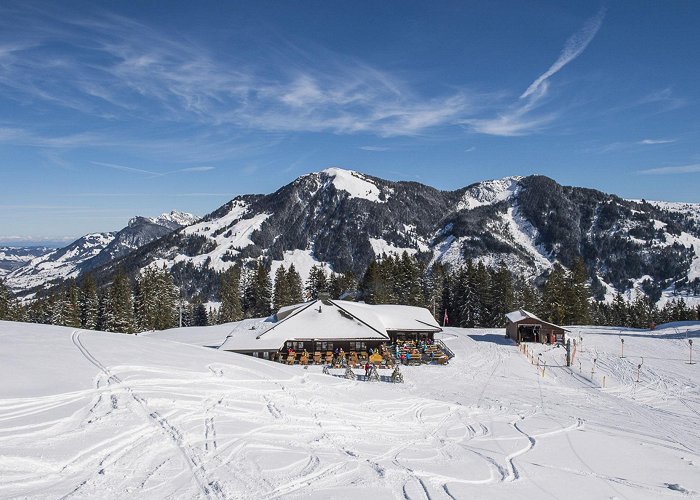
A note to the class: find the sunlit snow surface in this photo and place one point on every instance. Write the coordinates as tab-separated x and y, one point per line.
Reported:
96	415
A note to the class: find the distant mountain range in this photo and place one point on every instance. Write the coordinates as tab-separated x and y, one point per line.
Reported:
42	267
12	258
343	219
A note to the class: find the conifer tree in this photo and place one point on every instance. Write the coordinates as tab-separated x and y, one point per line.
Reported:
619	314
463	306
554	296
89	303
155	300
482	286
372	285
578	294
316	283
433	283
167	300
119	309
200	315
641	312
72	306
258	295
282	296
342	285
229	293
4	301
295	286
58	306
145	300
409	287
503	294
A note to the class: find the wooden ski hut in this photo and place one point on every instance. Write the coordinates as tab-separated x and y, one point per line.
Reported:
523	326
325	325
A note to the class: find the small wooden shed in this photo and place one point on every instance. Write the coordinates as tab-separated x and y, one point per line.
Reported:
523	326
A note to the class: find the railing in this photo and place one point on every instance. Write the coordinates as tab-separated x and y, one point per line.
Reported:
445	349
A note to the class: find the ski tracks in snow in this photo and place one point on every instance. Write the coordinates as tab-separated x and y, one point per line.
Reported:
209	488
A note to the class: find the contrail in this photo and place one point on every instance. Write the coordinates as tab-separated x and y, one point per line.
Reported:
575	45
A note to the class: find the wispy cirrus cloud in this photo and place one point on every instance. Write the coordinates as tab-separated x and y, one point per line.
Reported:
374	148
647	142
682	169
519	118
117	68
150	173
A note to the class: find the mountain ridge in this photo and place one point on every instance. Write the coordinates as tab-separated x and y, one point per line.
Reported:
342	220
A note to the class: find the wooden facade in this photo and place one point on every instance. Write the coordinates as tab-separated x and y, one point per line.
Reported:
526	327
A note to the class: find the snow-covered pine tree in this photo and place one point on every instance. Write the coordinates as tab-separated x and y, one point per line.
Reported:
145	301
229	295
89	303
72	305
167	296
119	308
58	301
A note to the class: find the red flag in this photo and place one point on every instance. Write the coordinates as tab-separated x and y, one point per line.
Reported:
445	320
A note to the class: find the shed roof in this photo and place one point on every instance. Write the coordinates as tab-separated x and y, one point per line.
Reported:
522	314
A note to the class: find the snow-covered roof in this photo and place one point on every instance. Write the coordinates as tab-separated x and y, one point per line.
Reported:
522	314
395	317
331	320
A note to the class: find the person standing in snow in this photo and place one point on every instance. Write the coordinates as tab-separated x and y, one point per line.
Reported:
367	369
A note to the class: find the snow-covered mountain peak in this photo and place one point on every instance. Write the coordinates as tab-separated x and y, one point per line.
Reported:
172	220
489	192
176	217
353	183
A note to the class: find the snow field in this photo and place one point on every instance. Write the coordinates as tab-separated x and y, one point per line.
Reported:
97	415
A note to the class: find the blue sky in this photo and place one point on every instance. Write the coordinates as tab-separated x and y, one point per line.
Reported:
112	109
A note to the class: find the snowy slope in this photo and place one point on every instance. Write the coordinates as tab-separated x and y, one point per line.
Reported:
93	250
95	415
60	264
353	183
12	258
